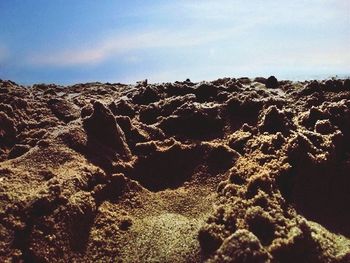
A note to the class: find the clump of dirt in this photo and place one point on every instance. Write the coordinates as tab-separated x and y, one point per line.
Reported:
233	170
102	126
8	130
271	82
275	120
63	110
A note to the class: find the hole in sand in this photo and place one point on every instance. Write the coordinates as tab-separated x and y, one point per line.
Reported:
321	194
262	228
167	169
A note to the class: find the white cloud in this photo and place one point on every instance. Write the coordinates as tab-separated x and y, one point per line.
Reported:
123	43
208	23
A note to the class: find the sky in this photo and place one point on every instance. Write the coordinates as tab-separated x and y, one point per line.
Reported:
66	42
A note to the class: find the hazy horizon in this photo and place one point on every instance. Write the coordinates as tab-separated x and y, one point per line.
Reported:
279	77
68	42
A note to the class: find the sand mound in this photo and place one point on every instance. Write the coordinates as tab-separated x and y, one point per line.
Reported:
233	170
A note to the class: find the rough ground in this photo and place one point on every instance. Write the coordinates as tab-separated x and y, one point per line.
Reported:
234	170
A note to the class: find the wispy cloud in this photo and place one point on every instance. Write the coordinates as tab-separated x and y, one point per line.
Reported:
207	22
123	43
197	39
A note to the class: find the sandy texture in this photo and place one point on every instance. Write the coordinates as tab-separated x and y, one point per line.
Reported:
234	170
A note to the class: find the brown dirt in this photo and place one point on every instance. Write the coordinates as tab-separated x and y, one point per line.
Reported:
233	170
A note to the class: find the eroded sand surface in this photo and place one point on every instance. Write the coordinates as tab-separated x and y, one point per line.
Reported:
234	170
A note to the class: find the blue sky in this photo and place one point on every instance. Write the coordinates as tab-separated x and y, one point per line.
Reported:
65	42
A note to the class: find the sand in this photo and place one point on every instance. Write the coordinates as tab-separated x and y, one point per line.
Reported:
233	170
